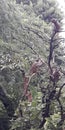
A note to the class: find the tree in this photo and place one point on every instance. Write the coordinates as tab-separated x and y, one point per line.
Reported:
25	37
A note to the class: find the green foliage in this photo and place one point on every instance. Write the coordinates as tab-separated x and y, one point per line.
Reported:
25	32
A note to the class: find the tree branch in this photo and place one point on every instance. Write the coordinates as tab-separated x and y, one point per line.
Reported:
7	101
59	93
37	33
51	50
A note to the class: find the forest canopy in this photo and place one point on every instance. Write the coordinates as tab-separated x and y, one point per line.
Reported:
32	65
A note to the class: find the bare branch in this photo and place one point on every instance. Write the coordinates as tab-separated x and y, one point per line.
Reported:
59	93
51	50
37	33
61	40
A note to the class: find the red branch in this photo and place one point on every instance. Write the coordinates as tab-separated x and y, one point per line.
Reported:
33	70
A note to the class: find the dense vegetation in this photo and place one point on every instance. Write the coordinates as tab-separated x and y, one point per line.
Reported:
28	35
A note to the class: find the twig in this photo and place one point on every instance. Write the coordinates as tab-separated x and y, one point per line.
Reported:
59	93
37	33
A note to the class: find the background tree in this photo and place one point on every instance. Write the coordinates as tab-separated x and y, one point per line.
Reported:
26	35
